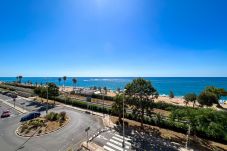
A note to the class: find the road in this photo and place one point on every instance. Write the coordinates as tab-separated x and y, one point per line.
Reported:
134	140
72	133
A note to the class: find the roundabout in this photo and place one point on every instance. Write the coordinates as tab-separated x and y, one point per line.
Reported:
43	125
70	133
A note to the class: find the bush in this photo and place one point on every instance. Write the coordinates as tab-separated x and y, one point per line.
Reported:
171	94
36	123
207	98
206	123
53	116
167	106
63	116
24	127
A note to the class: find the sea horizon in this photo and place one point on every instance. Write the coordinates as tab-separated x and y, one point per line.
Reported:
179	85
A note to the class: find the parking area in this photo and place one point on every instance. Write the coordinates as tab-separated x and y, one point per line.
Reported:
26	104
13	112
70	135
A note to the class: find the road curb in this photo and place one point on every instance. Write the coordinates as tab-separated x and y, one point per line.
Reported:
16	107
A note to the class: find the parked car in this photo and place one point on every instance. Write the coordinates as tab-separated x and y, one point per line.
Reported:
5	114
30	116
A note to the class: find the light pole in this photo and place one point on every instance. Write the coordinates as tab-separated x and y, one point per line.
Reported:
123	143
86	130
47	100
187	138
14	100
103	104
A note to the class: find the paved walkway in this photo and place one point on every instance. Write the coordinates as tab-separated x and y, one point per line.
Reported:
16	107
106	120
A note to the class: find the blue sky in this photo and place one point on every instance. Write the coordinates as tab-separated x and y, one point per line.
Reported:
113	38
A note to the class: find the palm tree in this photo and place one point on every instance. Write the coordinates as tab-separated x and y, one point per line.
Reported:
100	89
64	79
59	81
105	90
74	82
17	77
20	78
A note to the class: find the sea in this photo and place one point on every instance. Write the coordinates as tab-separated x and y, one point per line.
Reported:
179	85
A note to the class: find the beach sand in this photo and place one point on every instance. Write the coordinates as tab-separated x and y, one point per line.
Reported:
176	101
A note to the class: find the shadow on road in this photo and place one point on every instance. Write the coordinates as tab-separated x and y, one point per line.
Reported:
147	139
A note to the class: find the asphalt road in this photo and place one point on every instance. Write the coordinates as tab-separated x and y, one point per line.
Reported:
72	133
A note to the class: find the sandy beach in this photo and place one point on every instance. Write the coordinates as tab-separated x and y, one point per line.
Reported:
176	100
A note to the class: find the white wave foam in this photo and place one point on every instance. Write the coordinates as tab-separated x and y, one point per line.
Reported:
107	80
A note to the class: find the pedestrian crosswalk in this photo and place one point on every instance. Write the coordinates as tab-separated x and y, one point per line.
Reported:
115	144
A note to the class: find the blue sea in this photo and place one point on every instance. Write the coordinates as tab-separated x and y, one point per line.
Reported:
179	85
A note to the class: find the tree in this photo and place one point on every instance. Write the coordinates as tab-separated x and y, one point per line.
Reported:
20	78
100	89
74	82
207	98
190	97
105	90
64	79
117	107
219	92
139	94
17	77
118	90
171	94
59	81
53	90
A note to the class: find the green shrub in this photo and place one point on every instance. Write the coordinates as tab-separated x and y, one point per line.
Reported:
24	127
36	123
53	116
63	116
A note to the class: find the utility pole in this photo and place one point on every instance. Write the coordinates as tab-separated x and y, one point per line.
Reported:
14	101
123	143
47	100
86	130
103	104
187	138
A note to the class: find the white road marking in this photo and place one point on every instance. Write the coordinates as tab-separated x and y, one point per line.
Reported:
121	140
114	146
102	137
128	139
118	143
108	148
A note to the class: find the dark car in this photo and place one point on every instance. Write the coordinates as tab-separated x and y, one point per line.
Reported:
30	116
5	114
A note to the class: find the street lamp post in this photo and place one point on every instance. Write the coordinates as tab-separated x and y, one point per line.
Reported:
123	143
86	130
187	138
47	100
14	101
103	104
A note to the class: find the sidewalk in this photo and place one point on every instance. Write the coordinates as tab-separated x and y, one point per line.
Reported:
92	146
106	120
16	107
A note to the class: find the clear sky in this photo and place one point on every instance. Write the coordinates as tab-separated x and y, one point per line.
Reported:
113	37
